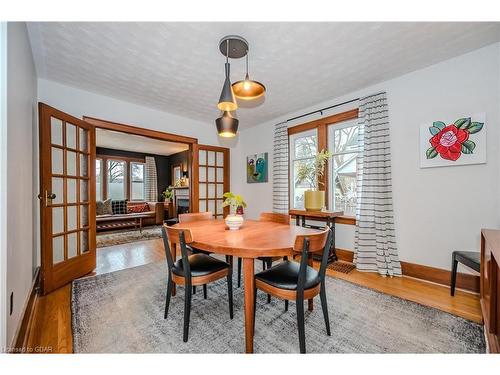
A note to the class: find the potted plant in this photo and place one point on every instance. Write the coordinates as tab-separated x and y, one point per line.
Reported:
167	195
236	203
312	173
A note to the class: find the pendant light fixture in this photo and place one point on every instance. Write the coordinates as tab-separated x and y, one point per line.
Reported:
234	47
227	102
248	89
227	125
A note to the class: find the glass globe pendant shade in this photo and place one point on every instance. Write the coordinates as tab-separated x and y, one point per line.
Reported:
227	125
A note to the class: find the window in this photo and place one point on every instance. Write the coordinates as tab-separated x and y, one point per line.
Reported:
136	181
343	143
303	148
116	179
98	178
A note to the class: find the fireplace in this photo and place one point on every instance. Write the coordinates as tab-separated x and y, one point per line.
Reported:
181	200
182	205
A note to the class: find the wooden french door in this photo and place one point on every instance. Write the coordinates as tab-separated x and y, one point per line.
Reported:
67	197
210	179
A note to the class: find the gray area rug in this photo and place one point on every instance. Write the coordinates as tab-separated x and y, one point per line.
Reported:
122	312
119	237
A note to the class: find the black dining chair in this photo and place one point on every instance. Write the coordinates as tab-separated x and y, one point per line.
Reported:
291	280
191	270
267	261
471	259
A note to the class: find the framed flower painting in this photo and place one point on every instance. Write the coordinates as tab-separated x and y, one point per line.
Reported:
458	141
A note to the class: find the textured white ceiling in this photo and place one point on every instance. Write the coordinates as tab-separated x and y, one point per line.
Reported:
177	67
136	143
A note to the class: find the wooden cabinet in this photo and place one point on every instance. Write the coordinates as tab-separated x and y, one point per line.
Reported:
490	286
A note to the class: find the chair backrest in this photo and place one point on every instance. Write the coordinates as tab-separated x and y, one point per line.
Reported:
197	216
275	218
177	236
321	241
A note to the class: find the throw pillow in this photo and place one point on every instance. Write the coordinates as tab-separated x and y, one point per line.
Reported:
103	207
119	207
138	208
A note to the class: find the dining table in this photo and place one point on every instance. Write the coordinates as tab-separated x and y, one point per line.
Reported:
252	240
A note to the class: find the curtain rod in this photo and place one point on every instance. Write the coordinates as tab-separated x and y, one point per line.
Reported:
322	109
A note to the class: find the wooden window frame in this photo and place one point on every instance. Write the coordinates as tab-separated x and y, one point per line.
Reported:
321	126
127	177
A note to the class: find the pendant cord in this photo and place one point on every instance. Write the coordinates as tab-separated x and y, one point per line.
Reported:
247	62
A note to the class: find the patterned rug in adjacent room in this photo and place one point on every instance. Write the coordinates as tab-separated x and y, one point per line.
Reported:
123	312
119	237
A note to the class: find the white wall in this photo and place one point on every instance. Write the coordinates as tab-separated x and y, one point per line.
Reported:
78	103
437	210
21	174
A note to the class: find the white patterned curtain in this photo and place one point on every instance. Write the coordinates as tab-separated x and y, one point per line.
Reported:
280	168
150	183
375	247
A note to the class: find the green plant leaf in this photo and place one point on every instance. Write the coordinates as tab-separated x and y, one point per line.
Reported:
431	153
474	127
462	123
468	147
434	130
439	124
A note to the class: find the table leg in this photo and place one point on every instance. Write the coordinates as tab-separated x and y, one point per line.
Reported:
140	225
310	302
249	285
297	220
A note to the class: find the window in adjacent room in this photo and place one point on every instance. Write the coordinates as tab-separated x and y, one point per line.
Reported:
303	149
98	179
136	181
343	143
116	179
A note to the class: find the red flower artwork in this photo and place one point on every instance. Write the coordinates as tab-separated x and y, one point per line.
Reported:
451	141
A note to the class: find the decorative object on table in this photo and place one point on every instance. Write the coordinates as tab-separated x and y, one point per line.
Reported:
458	142
234	47
312	173
257	168
234	220
167	195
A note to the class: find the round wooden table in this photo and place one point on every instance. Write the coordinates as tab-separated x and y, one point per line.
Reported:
254	239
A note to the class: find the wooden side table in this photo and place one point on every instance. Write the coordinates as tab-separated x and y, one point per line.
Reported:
328	216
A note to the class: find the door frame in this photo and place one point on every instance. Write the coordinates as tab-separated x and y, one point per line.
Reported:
196	177
87	260
150	133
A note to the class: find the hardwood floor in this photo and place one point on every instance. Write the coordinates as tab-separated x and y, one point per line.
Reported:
52	320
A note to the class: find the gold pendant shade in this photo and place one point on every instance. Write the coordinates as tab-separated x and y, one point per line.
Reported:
248	89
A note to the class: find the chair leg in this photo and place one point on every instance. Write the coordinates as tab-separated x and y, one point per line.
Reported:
169	294
286	305
454	265
187	312
239	272
205	291
194	289
324	306
230	293
300	323
269	263
254	308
